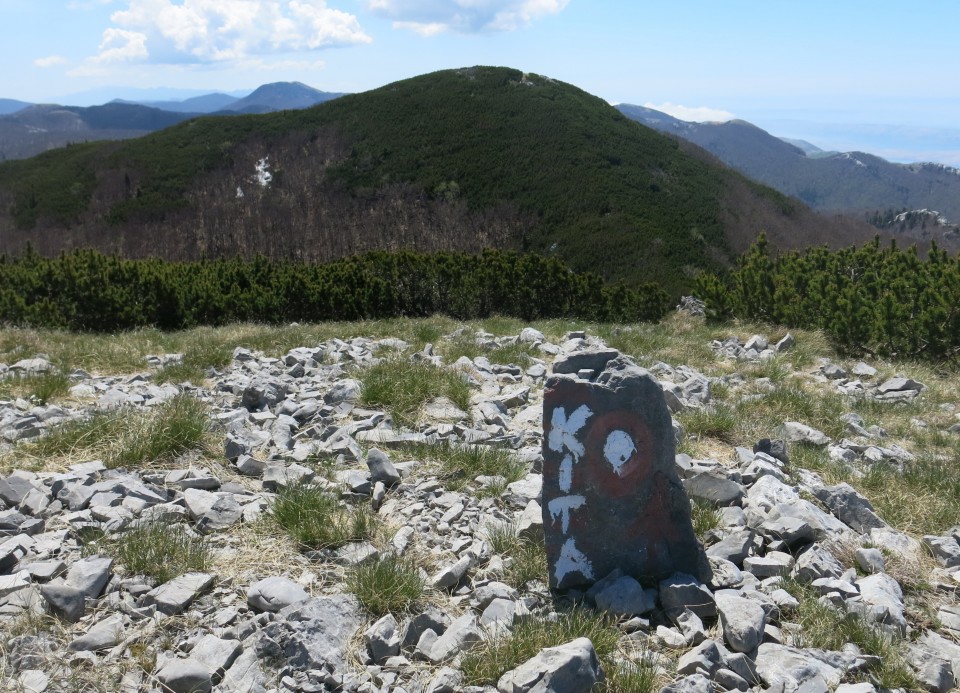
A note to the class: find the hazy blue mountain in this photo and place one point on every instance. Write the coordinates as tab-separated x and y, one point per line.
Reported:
208	103
280	96
848	182
8	106
807	147
37	128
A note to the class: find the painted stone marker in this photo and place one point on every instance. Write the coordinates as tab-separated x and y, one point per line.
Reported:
611	494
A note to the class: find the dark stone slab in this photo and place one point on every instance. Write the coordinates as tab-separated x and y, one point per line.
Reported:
611	495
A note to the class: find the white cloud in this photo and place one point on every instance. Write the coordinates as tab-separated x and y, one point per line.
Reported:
424	29
50	61
119	45
210	31
696	114
430	17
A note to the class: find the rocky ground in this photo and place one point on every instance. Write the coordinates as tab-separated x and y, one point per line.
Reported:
812	589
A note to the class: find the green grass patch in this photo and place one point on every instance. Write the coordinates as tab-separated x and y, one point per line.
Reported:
391	584
37	387
173	428
924	498
461	464
719	422
514	354
402	387
160	552
194	364
791	401
127	436
705	516
316	519
526	559
493	658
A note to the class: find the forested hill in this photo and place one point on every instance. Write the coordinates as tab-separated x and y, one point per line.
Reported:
453	160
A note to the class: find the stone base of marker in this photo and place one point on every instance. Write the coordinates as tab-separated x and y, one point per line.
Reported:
611	495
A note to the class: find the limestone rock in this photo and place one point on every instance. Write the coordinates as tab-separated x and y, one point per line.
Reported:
570	668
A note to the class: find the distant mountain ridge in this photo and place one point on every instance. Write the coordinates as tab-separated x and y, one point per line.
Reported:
29	129
454	160
279	96
208	103
846	182
11	106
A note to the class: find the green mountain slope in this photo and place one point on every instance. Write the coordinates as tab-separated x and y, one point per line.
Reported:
454	160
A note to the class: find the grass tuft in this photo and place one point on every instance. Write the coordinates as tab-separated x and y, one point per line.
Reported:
315	519
402	387
37	387
127	436
719	422
391	584
526	559
160	552
486	664
175	427
705	515
194	364
460	464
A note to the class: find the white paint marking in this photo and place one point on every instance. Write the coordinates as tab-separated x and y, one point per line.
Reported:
572	560
566	474
561	507
563	430
618	449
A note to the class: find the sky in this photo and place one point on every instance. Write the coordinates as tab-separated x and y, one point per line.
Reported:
881	76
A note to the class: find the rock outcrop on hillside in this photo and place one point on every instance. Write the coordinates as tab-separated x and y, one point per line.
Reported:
266	618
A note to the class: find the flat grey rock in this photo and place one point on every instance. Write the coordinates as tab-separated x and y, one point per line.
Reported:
275	593
174	597
796	432
224	513
90	575
381	468
313	634
714	489
457	638
69	603
430	618
245	674
383	639
569	668
741	619
695	683
681	591
100	636
705	659
215	654
626	597
185	676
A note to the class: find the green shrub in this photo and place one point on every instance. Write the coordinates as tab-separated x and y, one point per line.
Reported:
87	291
873	300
